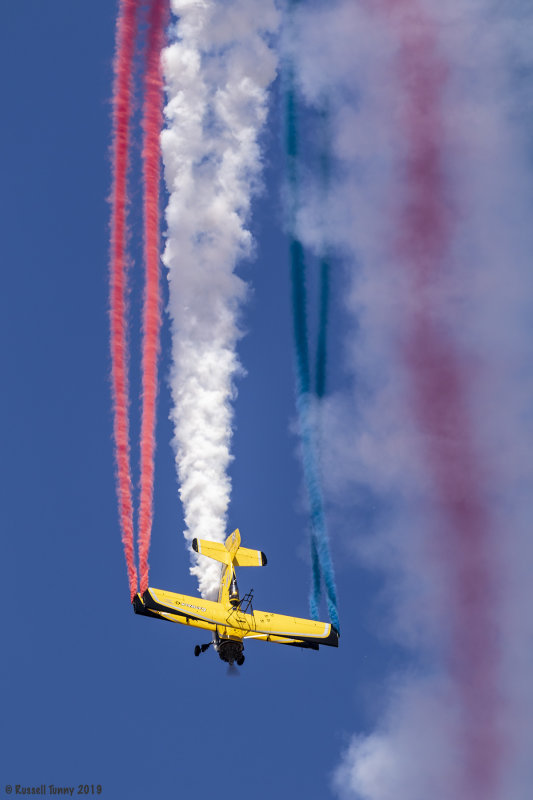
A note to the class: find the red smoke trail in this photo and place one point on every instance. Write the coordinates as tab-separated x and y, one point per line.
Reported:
122	97
152	122
440	394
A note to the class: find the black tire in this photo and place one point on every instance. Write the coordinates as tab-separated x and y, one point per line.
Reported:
197	650
240	661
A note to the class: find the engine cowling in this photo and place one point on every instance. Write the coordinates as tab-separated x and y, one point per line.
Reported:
230	650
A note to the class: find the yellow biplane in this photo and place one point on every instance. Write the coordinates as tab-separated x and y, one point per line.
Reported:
233	619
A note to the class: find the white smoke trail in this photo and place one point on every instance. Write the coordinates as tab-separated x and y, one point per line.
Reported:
217	72
345	51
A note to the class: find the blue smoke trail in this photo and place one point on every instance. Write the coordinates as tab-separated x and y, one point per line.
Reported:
321	559
321	350
322	567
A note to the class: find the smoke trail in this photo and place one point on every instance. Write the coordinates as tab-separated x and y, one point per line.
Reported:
440	392
122	96
321	564
152	123
321	349
217	71
320	554
324	268
430	197
303	378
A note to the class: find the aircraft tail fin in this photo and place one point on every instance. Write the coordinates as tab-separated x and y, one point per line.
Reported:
230	551
233	542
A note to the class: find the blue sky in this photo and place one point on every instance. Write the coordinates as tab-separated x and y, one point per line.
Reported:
91	693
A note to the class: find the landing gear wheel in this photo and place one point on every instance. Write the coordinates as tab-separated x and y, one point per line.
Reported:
240	661
197	650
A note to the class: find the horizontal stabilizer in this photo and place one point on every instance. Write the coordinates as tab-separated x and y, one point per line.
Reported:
244	557
214	550
250	558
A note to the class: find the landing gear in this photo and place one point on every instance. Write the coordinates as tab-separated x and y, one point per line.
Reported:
240	661
201	648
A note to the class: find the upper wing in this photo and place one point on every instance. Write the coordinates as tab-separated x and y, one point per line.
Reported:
262	625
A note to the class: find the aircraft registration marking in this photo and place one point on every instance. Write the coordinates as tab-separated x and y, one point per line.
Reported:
190	605
178	603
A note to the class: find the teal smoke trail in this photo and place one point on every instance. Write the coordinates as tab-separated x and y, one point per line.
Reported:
321	349
322	567
320	390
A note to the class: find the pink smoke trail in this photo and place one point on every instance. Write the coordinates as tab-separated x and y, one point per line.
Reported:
122	100
152	124
440	390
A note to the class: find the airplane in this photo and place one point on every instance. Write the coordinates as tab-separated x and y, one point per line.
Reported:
232	619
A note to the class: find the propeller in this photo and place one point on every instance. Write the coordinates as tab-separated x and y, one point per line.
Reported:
232	671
